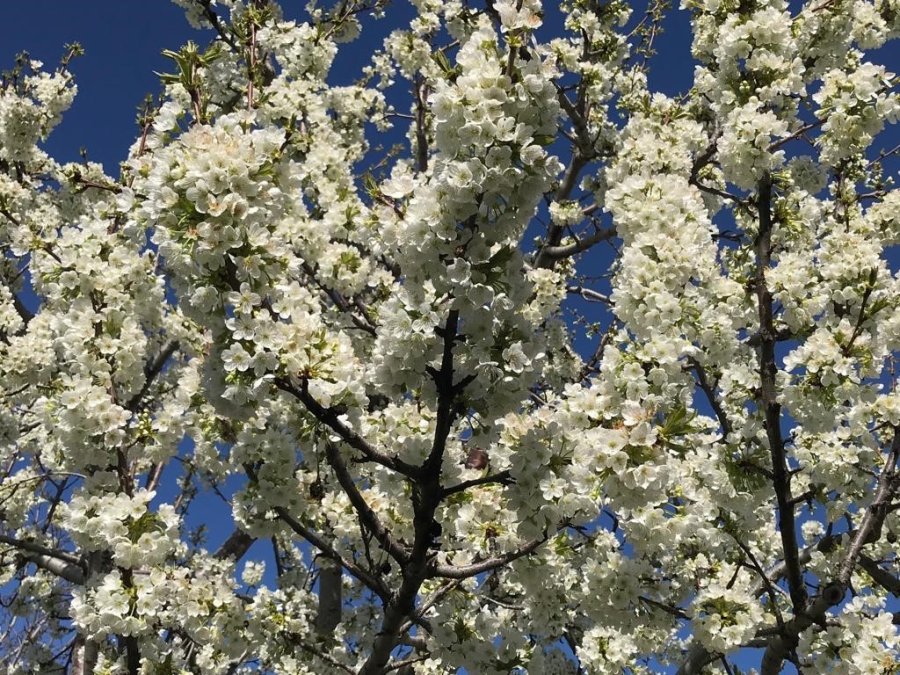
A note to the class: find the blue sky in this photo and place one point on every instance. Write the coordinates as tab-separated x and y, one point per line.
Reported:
123	40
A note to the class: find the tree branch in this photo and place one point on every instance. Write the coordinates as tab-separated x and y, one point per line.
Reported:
151	371
361	506
331	419
235	547
369	580
427	495
768	400
68	571
553	253
709	388
501	478
698	656
32	547
480	567
833	593
882	577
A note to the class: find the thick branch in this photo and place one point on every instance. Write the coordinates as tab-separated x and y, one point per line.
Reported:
39	549
330	598
68	571
84	656
834	592
236	546
427	496
421	127
443	380
64	565
768	400
882	577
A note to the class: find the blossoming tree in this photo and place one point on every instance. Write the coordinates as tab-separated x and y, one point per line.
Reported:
372	345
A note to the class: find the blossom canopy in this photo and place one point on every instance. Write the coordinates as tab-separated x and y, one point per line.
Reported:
494	361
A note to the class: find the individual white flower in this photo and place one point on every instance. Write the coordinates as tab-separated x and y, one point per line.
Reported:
236	357
253	573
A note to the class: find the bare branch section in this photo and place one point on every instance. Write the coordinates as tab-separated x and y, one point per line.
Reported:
421	95
236	546
60	563
768	400
549	253
331	419
214	20
833	593
882	577
476	568
330	598
427	496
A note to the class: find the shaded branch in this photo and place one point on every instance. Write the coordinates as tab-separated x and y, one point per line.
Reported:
768	400
33	547
501	478
68	571
330	597
551	253
217	24
369	518
151	372
331	419
365	577
235	547
833	593
698	656
421	135
709	389
426	498
64	565
882	577
476	568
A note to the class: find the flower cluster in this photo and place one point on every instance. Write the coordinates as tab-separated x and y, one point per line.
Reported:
123	525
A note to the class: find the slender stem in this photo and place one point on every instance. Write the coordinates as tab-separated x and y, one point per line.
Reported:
332	420
476	568
501	478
